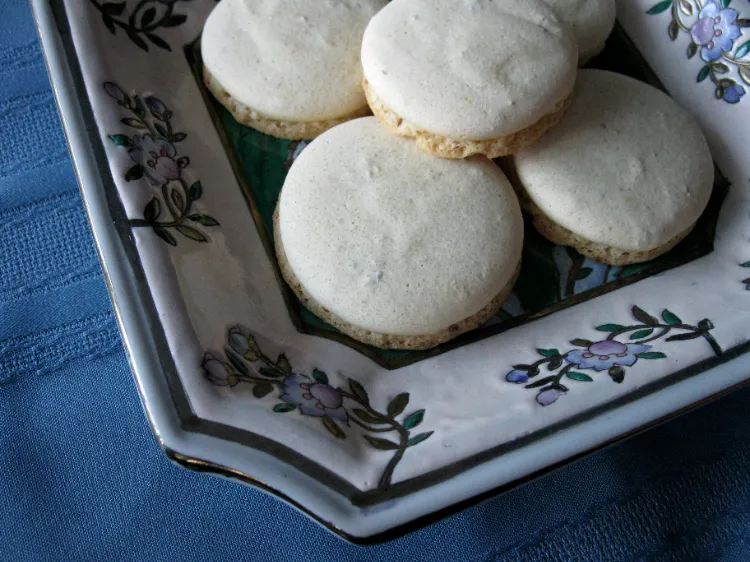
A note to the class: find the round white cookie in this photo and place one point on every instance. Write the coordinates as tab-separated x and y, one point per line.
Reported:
591	21
625	174
393	246
288	60
468	70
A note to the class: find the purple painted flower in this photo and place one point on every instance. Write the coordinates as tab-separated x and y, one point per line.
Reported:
156	106
549	396
217	372
517	376
715	30
157	158
733	94
113	90
602	355
314	398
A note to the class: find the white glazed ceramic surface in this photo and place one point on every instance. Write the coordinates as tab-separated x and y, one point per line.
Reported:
189	298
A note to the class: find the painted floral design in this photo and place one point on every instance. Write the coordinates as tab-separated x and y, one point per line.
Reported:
609	354
315	396
153	150
141	22
714	29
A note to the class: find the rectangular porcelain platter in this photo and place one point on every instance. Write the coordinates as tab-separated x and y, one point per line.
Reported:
218	345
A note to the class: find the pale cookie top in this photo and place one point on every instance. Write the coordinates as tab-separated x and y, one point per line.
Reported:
394	240
291	60
469	69
591	21
626	167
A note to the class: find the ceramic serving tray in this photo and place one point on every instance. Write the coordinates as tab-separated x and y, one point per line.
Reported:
238	379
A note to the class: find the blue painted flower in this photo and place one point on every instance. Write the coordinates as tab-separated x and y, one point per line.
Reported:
242	342
314	398
715	30
114	91
733	94
217	371
549	396
156	106
517	376
157	158
602	355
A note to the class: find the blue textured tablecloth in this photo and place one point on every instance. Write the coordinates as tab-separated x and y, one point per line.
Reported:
81	476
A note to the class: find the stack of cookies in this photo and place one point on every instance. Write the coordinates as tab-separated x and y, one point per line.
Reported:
399	229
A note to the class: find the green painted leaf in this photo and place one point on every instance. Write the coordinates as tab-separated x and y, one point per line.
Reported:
673	30
262	389
640	334
158	41
721	68
414	419
164	234
397	405
161	130
283	364
140	109
183	161
121	140
746	264
692	50
320	376
582	342
659	7
548	352
177	199
583	377
135	38
333	428
237	362
610	328
359	392
148	17
417	439
195	191
113	8
174	21
134	173
109	24
178	137
617	374
742	50
134	123
671	318
381	444
271	373
205	220
703	74
368	417
583	273
191	233
651	355
283	408
725	3
152	210
643	316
